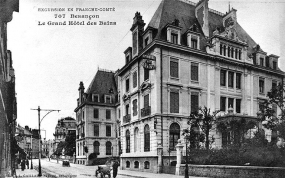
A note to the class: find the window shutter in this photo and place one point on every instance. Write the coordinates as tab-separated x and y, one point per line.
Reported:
174	102
194	72
174	69
194	102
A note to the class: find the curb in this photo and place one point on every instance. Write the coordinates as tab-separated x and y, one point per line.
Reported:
44	171
131	175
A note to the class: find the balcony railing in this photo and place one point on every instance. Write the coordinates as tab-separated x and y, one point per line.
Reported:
145	111
127	118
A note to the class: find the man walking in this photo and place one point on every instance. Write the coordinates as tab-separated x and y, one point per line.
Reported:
115	169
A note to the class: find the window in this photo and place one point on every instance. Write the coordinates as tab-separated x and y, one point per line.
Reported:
194	71
128	164
108	114
136	164
135	79
221	49
225	49
238	103
135	107
274	65
146	138
96	130
137	140
239	54
267	61
230	102
261	61
238	80
135	42
236	53
174	135
96	146
127	109
108	99
174	101
229	51
174	68
146	101
194	42
108	131
146	165
128	146
274	84
108	148
194	102
223	104
231	79
127	85
127	59
96	113
261	85
146	74
223	78
174	38
95	98
254	60
146	40
232	53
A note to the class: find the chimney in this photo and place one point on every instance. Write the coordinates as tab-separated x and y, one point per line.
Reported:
202	14
81	92
137	31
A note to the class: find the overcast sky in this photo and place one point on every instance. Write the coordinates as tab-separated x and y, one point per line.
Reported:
50	61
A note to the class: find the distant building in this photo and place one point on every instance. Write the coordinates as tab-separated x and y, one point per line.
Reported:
64	127
96	118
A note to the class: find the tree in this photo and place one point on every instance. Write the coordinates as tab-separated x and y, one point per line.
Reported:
268	112
203	121
70	144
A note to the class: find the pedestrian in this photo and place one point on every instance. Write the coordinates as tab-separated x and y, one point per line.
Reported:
27	163
115	168
23	165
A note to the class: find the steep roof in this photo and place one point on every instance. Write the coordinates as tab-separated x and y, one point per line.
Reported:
101	84
169	10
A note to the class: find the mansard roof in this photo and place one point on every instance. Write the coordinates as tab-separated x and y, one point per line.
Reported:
102	84
184	11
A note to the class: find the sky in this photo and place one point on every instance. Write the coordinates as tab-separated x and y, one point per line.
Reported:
51	60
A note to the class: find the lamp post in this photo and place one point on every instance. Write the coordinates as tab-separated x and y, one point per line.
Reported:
40	120
186	175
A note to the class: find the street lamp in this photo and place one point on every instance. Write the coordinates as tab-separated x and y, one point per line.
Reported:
40	120
186	175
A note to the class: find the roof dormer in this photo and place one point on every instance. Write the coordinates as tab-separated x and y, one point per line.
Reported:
128	55
148	36
193	37
174	32
273	61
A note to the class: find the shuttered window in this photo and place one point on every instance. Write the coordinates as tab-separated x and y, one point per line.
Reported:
174	68
223	78
194	102
146	101
223	104
135	107
96	130
96	113
194	71
174	102
135	79
231	79
146	138
238	80
108	114
108	131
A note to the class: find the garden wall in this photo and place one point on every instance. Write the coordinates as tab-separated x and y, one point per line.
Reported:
169	169
234	171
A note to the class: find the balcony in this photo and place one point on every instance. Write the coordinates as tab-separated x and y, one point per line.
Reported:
145	111
127	118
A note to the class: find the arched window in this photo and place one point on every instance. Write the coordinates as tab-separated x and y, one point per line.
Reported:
128	146
96	146
174	135
136	139
108	148
128	164
146	138
146	165
136	164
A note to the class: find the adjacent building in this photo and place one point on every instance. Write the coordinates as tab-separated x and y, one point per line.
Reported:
96	118
8	104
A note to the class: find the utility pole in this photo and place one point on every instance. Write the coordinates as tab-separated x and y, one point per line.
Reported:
40	120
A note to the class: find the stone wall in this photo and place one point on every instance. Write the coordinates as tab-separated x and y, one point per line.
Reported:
169	169
234	171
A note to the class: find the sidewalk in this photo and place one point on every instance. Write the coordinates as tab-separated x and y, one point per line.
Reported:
139	174
28	173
